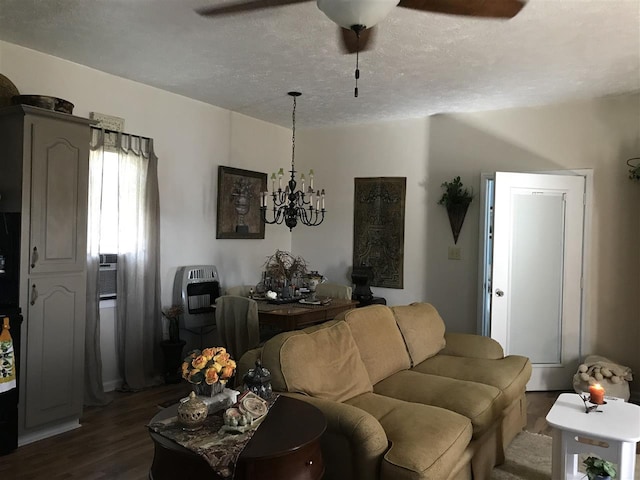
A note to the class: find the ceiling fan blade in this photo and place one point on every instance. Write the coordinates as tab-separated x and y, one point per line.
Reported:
349	41
235	7
472	8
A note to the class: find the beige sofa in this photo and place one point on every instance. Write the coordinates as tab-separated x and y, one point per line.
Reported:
402	399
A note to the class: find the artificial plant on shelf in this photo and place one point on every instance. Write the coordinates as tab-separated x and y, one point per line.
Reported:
599	469
456	199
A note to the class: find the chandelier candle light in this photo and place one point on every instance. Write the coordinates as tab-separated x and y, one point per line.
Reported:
290	205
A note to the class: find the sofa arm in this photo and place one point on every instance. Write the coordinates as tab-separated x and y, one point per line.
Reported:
469	345
350	432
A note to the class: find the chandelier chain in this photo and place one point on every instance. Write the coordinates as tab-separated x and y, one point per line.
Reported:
293	135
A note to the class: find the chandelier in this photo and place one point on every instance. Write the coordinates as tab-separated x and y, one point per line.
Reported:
290	205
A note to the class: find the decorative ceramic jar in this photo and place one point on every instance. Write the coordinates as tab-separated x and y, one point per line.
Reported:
258	381
192	413
313	279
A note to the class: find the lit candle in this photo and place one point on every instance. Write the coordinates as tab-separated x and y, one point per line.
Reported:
318	200
596	393
280	175
273	182
322	193
311	179
302	182
311	198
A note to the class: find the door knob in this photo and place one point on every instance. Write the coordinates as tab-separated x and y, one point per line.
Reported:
499	292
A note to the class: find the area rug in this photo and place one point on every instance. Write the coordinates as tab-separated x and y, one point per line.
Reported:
529	458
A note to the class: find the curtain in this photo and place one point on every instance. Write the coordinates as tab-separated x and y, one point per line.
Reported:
138	324
93	390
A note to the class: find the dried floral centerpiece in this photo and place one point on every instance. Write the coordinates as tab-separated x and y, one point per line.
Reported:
208	370
282	268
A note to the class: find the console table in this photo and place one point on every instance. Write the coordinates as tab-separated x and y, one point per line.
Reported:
286	445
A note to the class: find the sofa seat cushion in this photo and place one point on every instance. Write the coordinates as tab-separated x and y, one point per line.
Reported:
425	441
324	363
379	341
480	403
422	329
509	374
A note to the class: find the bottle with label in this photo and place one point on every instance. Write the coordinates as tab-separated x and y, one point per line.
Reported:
7	359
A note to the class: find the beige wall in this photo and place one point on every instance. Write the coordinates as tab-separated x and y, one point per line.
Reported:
599	134
193	138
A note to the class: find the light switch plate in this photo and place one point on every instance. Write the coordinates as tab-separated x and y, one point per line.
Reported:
454	253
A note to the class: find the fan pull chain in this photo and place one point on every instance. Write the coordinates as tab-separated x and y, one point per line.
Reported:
357	73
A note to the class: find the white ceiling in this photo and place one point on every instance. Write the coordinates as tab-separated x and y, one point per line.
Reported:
421	63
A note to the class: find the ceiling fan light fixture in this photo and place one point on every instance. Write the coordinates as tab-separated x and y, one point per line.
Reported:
347	13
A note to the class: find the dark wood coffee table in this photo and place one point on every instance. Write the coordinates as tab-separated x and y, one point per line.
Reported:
285	446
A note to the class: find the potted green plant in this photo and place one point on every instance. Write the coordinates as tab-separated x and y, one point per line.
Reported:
172	347
456	199
599	469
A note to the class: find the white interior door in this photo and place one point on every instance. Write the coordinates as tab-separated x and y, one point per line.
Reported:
536	299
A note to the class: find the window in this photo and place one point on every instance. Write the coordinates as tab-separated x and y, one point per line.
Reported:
108	240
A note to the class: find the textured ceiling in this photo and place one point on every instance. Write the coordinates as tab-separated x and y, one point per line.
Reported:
421	63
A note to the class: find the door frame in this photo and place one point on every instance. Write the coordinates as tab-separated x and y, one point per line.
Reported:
483	327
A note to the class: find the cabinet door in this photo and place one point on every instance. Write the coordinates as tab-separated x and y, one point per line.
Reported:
55	349
59	179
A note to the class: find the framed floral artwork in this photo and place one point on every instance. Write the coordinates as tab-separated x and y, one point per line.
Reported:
239	203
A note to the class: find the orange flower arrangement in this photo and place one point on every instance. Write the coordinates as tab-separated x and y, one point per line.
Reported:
211	365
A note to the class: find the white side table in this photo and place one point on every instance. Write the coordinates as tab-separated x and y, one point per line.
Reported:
611	434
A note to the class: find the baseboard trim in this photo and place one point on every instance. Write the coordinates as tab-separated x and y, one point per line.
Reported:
43	433
111	385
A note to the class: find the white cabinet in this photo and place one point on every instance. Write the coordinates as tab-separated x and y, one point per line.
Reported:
54	357
58	220
44	161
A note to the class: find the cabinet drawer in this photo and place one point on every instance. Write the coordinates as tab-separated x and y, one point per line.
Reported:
302	464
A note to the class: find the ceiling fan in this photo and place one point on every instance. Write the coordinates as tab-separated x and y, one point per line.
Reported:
356	18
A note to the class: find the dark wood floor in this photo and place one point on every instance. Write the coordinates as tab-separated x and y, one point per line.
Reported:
113	442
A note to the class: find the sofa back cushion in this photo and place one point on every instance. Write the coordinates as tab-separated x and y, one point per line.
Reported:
324	363
422	329
379	341
271	353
